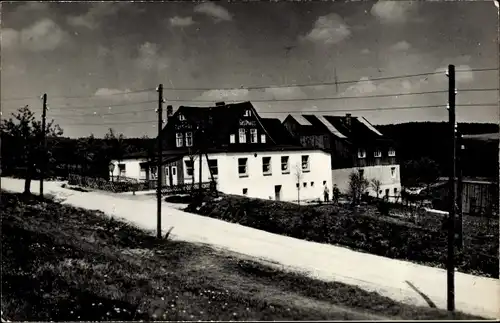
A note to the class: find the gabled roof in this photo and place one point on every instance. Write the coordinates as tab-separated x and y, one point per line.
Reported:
360	129
219	122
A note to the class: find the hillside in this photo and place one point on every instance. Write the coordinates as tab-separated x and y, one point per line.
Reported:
61	263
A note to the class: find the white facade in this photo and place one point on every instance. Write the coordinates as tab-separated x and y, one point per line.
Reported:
388	175
270	183
129	168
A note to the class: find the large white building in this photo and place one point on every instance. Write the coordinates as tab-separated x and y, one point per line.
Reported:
244	153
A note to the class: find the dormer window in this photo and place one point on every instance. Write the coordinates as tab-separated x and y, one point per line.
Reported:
189	139
361	153
377	153
248	113
232	138
253	136
391	152
243	135
179	139
181	117
262	138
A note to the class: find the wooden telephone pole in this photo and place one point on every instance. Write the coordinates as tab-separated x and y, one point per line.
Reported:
43	161
450	266
159	160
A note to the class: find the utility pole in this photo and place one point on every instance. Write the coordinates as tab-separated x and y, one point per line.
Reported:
460	190
43	156
453	191
200	151
159	160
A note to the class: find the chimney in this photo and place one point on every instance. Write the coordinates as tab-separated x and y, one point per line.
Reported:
220	104
348	119
170	111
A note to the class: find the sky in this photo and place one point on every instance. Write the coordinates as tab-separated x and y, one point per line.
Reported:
93	59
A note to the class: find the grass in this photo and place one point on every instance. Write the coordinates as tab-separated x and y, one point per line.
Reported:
364	229
66	264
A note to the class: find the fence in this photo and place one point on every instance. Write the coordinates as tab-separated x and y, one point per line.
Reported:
123	184
186	188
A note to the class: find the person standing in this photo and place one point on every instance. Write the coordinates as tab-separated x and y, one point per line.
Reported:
335	194
326	193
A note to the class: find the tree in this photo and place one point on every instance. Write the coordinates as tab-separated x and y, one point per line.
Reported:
358	185
26	132
192	158
376	184
298	178
423	171
116	146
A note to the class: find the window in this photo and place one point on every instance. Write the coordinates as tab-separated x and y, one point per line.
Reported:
387	192
154	173
245	191
305	184
377	153
391	152
361	173
253	136
142	171
324	182
121	168
266	165
297	185
213	166
242	166
395	190
181	117
178	137
189	167
393	171
189	139
174	171
312	184
243	136
232	138
305	163
262	138
361	153
284	165
248	113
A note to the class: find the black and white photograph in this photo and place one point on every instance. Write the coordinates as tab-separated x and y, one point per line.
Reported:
249	160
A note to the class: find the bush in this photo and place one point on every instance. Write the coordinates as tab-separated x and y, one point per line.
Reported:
360	229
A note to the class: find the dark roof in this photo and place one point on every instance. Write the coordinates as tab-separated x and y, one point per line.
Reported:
278	132
360	129
218	122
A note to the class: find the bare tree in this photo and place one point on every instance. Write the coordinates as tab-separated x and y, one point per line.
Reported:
358	185
192	155
376	184
298	177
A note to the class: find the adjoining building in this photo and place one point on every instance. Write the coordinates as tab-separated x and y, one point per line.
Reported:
354	144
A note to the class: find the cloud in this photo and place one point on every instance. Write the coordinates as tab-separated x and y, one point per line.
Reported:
43	35
286	93
401	46
149	58
181	21
225	95
329	29
95	15
392	12
365	51
217	12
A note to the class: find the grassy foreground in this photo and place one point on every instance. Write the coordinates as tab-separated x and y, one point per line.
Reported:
63	263
363	229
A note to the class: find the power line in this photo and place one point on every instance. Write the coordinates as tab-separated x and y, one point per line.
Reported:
315	111
326	83
100	106
80	97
